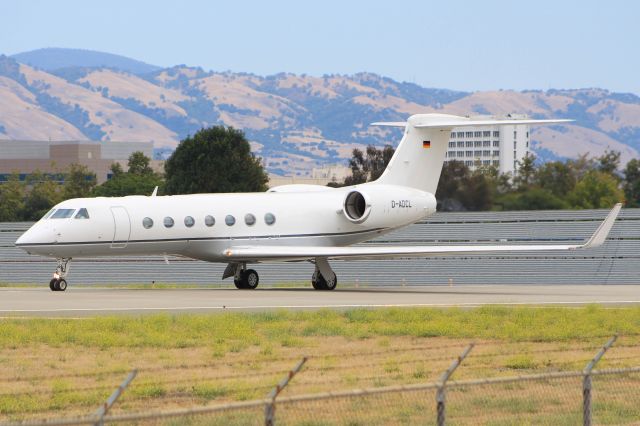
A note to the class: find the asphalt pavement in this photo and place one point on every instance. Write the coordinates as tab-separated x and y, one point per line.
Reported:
82	302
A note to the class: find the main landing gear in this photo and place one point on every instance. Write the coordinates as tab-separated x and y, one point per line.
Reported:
58	282
243	278
319	279
247	279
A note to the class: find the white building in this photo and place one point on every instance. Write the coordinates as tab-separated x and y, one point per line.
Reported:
336	172
499	146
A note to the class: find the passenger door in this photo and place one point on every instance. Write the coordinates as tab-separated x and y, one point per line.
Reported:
121	227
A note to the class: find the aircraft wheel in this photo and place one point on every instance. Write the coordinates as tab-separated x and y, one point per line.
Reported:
62	284
319	282
251	279
52	284
248	280
317	285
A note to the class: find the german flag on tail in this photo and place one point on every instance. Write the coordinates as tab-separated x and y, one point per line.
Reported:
426	144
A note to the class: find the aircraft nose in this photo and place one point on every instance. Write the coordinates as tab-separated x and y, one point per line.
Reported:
33	235
25	238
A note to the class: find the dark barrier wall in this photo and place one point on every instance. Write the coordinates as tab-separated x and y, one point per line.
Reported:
616	262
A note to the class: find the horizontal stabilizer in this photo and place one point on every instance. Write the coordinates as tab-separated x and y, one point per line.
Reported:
442	121
469	123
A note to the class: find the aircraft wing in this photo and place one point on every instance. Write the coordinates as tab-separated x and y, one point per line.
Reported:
257	253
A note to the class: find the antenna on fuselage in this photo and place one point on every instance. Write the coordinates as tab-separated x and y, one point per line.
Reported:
155	192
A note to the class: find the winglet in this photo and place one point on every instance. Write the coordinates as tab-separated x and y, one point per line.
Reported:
155	192
390	123
598	237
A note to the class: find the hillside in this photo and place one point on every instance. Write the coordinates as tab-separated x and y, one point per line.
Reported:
55	58
296	122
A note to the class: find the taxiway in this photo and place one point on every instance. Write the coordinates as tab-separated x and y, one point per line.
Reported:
78	302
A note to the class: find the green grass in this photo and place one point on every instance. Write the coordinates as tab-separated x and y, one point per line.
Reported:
248	346
521	362
233	331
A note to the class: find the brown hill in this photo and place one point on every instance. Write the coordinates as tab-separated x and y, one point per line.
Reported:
295	122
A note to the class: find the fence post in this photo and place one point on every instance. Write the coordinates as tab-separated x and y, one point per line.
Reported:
586	381
270	407
104	408
440	393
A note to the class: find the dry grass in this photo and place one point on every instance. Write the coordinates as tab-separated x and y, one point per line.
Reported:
55	367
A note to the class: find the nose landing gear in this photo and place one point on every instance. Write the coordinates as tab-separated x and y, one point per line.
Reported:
58	282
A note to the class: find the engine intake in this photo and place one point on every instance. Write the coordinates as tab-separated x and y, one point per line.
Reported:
356	208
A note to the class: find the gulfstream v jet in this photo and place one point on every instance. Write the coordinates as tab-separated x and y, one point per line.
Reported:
286	223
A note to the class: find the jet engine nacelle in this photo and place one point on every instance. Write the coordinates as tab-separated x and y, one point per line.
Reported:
385	203
356	206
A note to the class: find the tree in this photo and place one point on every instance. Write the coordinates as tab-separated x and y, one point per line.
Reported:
43	195
596	190
116	170
370	167
358	173
581	166
533	199
556	177
139	179
216	159
139	164
453	179
476	193
609	162
632	183
78	182
11	199
526	172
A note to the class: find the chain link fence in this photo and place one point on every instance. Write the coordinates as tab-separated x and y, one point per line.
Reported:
607	396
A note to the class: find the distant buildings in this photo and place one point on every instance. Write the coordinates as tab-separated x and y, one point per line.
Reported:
499	146
25	157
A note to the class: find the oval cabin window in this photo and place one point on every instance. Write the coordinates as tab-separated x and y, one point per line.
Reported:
147	222
269	219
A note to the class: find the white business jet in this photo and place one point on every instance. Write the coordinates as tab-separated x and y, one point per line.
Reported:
287	223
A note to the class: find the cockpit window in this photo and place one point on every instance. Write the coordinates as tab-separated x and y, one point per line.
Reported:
63	214
82	214
49	213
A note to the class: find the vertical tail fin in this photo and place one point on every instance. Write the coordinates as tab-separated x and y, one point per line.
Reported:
418	160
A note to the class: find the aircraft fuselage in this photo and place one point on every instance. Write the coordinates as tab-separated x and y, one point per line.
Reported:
202	226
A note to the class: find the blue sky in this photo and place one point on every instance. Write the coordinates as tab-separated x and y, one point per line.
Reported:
464	45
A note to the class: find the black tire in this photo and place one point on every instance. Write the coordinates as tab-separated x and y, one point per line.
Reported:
331	286
319	283
250	279
52	284
62	284
238	283
56	285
